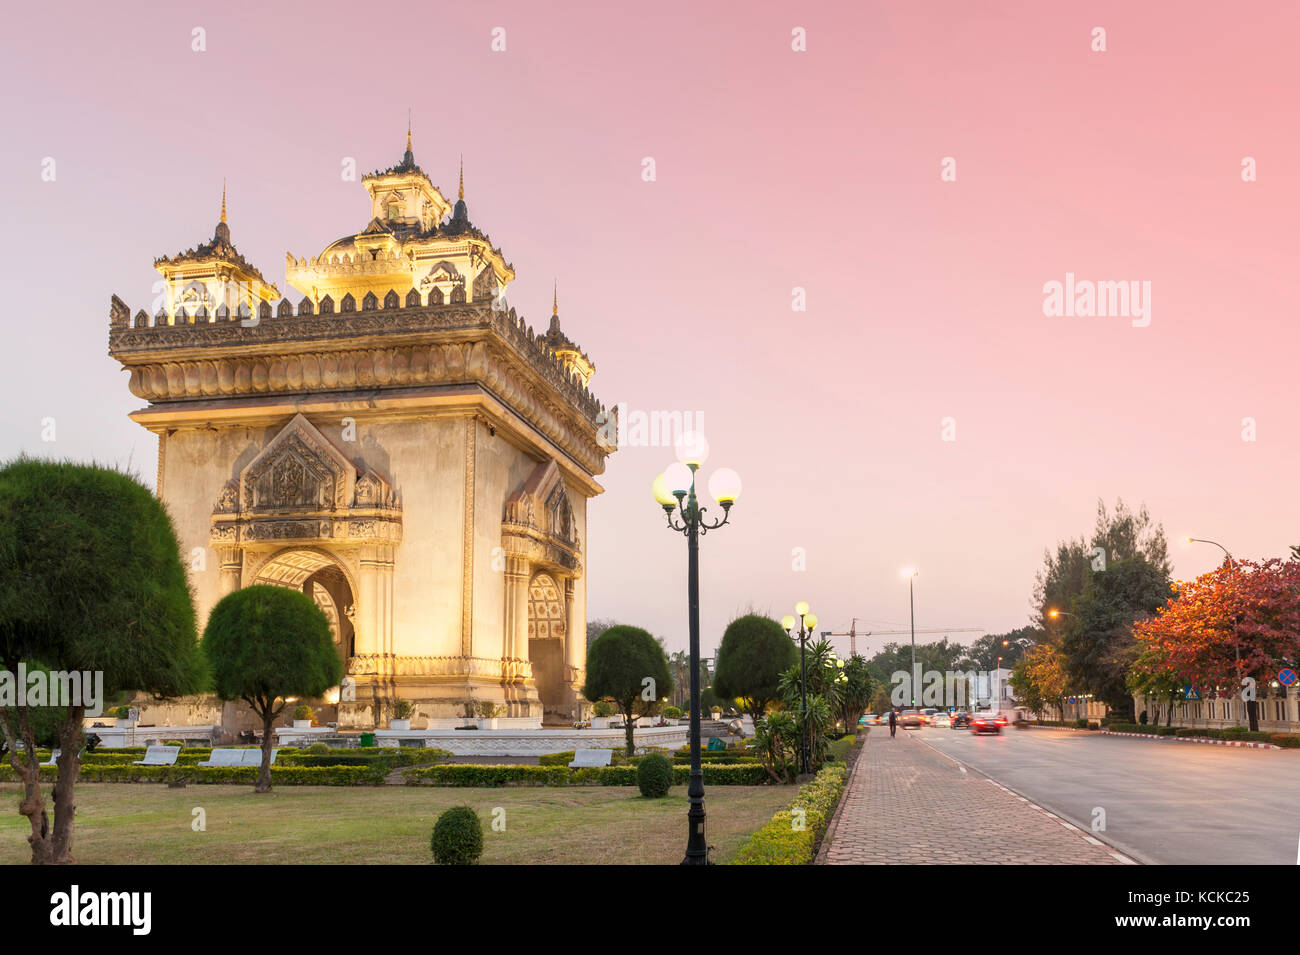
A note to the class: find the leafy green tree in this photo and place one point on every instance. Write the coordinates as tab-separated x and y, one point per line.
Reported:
857	690
91	579
1097	643
1116	536
751	658
940	656
627	665
983	653
265	644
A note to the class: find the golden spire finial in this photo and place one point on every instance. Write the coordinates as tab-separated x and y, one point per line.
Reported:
555	299
461	193
408	129
223	199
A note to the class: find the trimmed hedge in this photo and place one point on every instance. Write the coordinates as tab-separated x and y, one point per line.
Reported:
782	841
654	776
462	774
1285	740
280	775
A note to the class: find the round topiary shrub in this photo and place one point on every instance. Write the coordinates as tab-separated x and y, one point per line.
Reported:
318	748
457	837
654	776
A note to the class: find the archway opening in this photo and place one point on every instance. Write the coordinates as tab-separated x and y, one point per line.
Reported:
546	635
320	577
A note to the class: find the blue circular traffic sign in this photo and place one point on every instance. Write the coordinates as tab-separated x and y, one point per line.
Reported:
1286	677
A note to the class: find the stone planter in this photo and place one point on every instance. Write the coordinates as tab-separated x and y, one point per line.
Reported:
600	722
487	722
302	724
399	724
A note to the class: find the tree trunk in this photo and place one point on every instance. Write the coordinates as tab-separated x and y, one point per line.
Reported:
629	721
33	802
1252	714
268	740
69	763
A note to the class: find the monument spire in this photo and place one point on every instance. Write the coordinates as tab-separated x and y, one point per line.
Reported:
223	198
461	192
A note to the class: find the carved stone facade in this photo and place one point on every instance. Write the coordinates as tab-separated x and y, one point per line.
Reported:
413	457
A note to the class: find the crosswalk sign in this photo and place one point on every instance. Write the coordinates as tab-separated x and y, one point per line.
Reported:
1191	693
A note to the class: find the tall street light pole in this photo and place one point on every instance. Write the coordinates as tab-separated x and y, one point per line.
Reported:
674	490
910	573
807	621
1236	646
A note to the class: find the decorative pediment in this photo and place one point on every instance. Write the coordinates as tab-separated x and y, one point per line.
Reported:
444	273
301	487
539	522
299	470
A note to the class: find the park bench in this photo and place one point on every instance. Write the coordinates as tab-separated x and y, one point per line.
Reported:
253	757
224	757
590	758
159	756
227	757
54	758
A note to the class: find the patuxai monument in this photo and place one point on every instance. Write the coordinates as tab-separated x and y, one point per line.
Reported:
391	439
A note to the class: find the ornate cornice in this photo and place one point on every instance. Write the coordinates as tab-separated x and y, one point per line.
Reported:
371	350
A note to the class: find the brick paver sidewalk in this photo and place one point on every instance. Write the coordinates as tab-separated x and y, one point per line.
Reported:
908	804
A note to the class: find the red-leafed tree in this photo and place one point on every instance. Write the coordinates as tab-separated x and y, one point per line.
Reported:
1229	624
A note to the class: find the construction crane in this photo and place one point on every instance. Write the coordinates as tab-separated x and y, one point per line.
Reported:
853	633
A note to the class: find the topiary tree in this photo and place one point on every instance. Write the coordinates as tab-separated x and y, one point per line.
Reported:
654	776
266	643
627	666
754	652
457	837
91	581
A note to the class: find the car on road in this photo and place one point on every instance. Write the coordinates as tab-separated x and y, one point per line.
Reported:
941	719
960	720
911	718
987	723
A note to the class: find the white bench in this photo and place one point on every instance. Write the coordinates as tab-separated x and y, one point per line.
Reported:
54	758
227	757
159	756
590	758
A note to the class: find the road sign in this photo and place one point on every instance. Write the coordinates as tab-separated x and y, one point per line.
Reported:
1191	693
1286	677
1072	700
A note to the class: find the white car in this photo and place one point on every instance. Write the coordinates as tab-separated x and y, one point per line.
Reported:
941	719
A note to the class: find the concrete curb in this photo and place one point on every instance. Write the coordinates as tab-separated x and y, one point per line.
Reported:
1190	739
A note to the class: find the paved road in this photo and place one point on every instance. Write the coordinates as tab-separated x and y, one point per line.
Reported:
1165	802
908	804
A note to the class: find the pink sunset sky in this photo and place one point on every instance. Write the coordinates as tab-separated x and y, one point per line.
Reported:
776	169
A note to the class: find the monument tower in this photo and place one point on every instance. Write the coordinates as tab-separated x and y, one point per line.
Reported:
401	446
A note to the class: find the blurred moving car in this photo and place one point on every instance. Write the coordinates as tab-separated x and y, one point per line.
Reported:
960	720
987	723
941	719
911	718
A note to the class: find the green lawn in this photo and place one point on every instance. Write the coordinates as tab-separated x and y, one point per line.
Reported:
141	823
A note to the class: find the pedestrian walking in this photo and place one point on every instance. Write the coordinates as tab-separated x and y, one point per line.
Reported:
893	721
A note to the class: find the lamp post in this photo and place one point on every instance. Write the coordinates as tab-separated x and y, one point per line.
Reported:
910	573
807	621
675	490
1236	647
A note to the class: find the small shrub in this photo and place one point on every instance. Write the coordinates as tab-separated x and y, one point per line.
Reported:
487	710
303	712
1285	740
603	709
1081	723
457	837
318	748
122	712
654	776
403	709
1094	726
1143	718
672	712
